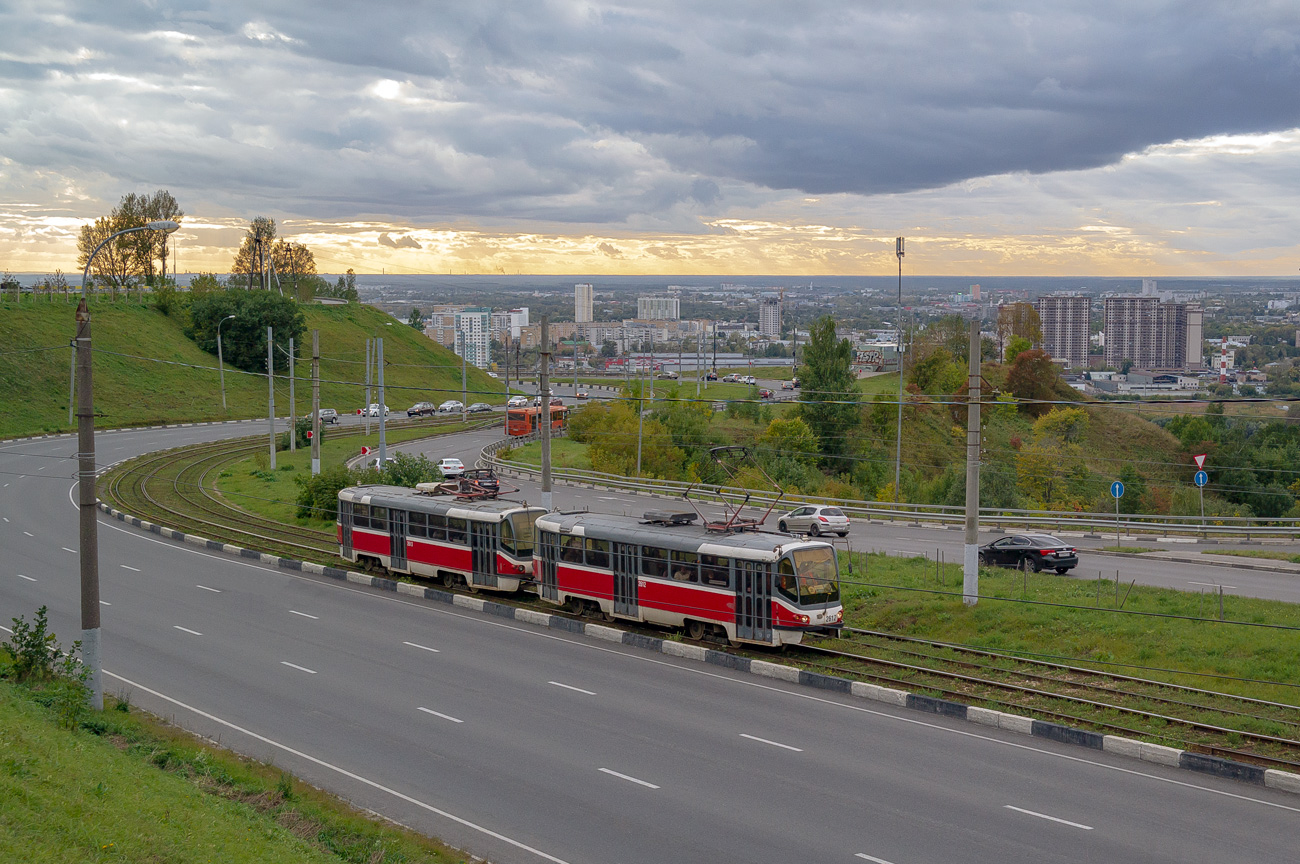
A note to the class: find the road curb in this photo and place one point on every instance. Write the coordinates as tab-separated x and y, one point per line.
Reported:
1129	747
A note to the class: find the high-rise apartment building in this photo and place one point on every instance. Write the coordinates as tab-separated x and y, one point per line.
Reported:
1065	325
473	335
582	302
658	308
769	315
1152	334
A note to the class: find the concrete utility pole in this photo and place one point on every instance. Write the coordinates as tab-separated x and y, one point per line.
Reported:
898	443
315	402
640	420
270	390
464	387
72	385
544	410
293	407
365	412
383	406
970	582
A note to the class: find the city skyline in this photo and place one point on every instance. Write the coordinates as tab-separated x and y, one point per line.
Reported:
627	138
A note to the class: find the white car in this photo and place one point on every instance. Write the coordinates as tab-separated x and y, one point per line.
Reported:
451	406
814	519
451	467
374	409
517	402
749	379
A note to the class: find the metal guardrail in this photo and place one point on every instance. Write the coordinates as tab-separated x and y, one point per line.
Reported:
1098	523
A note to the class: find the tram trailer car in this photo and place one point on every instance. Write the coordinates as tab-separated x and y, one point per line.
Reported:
758	588
482	544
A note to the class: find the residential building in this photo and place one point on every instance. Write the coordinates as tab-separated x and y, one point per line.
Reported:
1151	334
1065	324
440	325
510	322
582	305
473	334
658	308
769	315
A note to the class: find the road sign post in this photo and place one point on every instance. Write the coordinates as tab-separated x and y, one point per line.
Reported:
1117	492
1200	478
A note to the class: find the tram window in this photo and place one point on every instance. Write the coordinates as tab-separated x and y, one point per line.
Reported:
379	518
686	566
437	526
361	515
417	524
572	550
456	530
654	562
518	531
714	570
785	581
597	553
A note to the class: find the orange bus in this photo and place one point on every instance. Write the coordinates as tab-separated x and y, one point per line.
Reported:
524	421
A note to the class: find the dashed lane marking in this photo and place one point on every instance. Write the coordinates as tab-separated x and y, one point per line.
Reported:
66	549
865	857
439	714
1048	818
129	567
206	588
571	687
296	666
773	743
28	578
304	614
628	779
422	647
104	603
186	630
29	534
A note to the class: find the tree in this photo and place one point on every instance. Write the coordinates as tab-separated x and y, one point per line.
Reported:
243	340
790	438
344	289
829	391
158	207
114	266
1033	379
251	255
1018	319
1017	346
416	320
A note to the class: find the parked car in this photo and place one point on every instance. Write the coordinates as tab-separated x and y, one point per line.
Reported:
373	410
748	379
420	409
1038	552
669	375
327	415
451	467
451	406
479	407
712	376
493	375
581	394
765	394
374	463
815	519
517	402
732	378
787	385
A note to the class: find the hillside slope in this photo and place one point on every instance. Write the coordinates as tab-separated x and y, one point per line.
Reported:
145	368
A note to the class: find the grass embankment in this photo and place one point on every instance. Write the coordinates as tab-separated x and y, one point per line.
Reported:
1256	553
564	454
1088	622
130	391
273	494
126	787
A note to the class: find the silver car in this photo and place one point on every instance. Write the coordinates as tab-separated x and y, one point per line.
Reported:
815	519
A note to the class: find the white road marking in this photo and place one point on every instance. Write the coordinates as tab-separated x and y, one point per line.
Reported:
443	716
865	857
129	567
422	647
6	518
773	743
42	468
66	549
1212	584
29	534
304	614
629	779
186	630
206	588
571	687
296	666
342	771
1048	818
104	603
28	578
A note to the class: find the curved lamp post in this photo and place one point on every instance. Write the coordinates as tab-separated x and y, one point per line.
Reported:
90	653
221	364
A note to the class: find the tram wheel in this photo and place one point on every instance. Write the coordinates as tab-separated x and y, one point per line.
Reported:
695	629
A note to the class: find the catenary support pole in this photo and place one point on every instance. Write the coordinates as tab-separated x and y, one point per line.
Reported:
293	407
383	406
640	419
270	390
72	385
315	402
544	410
898	437
90	647
970	587
366	410
464	375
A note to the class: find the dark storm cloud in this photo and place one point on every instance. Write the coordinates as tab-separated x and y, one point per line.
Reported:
613	112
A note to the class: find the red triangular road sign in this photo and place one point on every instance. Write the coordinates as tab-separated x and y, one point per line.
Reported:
1200	461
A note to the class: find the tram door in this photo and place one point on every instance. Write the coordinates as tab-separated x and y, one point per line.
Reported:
397	541
625	573
345	528
550	547
483	552
753	601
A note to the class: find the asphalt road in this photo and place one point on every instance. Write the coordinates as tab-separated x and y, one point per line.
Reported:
526	745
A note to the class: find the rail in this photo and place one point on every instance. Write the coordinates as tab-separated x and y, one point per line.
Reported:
1099	524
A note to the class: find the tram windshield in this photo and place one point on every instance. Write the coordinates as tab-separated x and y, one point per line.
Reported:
818	574
518	532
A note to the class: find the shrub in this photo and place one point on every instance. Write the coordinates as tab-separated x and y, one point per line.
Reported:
318	496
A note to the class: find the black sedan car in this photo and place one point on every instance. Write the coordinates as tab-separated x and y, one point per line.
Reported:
1038	552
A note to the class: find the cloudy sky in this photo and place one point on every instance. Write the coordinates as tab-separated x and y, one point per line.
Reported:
728	137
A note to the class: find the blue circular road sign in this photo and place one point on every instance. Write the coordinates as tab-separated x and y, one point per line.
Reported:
1201	478
1117	489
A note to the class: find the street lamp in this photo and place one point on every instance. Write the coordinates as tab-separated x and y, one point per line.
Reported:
221	363
898	440
90	653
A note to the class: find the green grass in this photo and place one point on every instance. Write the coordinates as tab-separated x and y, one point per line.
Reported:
272	495
564	454
143	791
1256	553
1132	550
129	391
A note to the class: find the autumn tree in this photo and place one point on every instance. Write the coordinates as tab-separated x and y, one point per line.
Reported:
129	260
1018	319
1050	469
1032	379
829	391
115	265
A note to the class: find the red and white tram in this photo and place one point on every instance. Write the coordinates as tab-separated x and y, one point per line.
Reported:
484	544
767	589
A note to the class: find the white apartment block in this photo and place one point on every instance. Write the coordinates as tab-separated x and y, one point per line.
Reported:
658	308
1065	323
473	336
582	306
510	322
769	315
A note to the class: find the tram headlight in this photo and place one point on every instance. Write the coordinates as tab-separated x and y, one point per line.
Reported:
803	619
